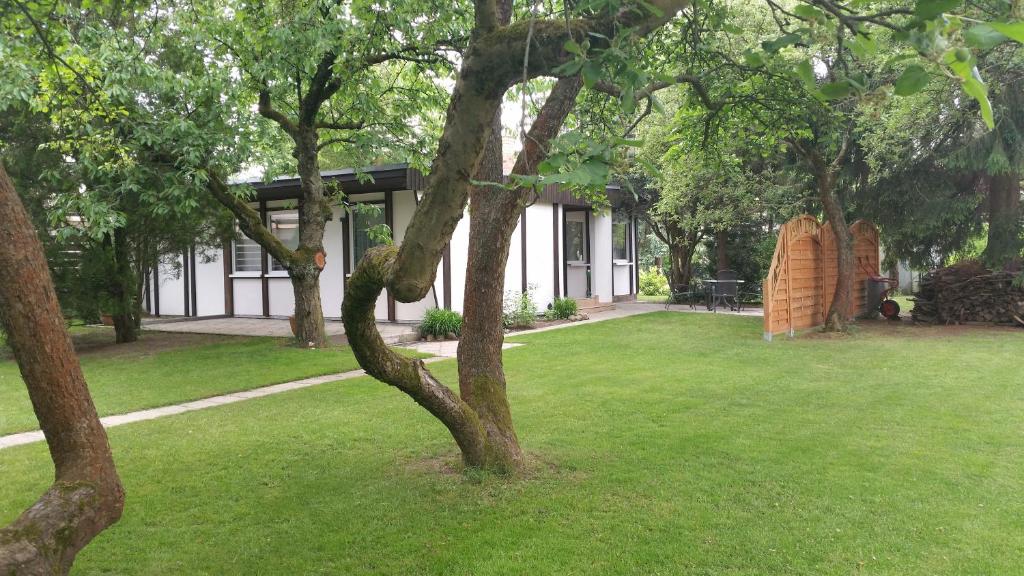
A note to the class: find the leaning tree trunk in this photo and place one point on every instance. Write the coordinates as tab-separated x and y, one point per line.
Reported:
838	315
1004	221
86	496
493	214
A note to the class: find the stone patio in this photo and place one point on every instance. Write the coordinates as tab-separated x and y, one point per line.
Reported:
393	333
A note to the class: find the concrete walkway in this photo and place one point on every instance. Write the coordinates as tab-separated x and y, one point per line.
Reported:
262	327
393	333
163	411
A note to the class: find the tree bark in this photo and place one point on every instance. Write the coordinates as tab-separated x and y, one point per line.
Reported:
681	252
493	214
86	496
303	267
722	249
1004	221
123	291
838	315
491	64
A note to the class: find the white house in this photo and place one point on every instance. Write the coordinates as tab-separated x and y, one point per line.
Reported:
561	247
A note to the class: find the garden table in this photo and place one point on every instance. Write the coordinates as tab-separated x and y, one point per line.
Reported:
720	292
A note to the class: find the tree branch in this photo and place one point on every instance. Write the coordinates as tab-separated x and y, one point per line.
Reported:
249	221
268	111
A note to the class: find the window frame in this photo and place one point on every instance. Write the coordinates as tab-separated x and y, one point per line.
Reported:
274	268
354	216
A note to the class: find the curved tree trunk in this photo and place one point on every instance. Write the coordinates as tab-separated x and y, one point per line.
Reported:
1004	221
838	315
491	64
86	495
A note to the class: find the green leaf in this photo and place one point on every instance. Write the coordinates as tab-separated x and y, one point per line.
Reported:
572	47
863	46
808	12
805	72
781	42
591	73
984	37
976	89
836	90
1014	30
912	81
929	9
753	59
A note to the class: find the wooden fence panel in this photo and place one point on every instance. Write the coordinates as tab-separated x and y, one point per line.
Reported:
802	278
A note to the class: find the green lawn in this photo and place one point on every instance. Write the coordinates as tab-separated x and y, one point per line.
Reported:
666	444
125	382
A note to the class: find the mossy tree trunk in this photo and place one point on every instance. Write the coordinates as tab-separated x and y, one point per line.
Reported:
492	63
493	214
86	496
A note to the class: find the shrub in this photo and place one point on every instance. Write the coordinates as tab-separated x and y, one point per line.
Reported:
519	310
653	282
561	309
440	323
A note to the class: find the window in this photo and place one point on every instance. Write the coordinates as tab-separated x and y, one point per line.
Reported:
247	254
620	237
362	220
576	237
284	225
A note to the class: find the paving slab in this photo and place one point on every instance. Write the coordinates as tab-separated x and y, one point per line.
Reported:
393	332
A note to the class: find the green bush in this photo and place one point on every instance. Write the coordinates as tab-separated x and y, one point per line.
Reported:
519	309
440	323
561	309
653	282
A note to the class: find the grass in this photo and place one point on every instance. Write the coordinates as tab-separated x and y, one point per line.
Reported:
667	444
123	383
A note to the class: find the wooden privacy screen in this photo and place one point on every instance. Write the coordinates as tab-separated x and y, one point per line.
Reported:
802	279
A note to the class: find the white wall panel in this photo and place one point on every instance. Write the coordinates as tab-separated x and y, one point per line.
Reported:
601	259
209	282
281	296
332	287
248	296
172	286
539	258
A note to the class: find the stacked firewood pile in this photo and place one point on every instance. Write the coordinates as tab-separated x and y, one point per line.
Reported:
969	293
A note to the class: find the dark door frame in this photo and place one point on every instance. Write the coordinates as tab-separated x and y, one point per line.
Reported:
565	248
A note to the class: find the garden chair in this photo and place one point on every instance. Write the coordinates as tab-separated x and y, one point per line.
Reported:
683	294
726	290
751	295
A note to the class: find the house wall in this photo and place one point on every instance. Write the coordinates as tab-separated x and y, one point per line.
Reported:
544	267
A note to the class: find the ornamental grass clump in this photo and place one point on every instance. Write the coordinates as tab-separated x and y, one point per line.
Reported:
441	323
561	309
